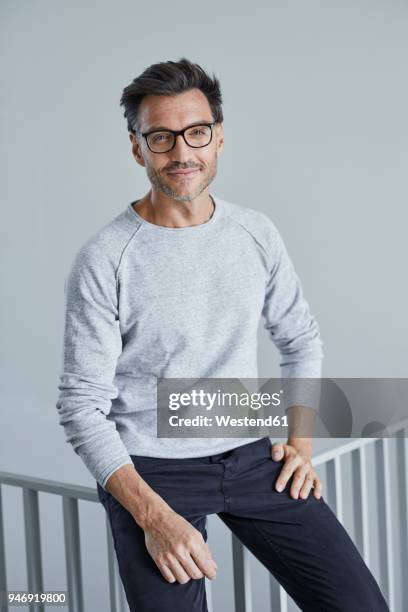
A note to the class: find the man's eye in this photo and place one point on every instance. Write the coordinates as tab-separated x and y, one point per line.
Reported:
160	137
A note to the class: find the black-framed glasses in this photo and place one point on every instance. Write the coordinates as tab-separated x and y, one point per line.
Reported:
163	141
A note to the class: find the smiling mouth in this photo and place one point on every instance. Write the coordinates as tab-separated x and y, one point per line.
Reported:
184	174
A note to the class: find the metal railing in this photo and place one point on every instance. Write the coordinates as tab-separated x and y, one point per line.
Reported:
331	461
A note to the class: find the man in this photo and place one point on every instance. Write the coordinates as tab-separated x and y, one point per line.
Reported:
174	286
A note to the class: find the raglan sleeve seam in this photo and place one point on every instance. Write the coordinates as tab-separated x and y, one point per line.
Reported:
91	346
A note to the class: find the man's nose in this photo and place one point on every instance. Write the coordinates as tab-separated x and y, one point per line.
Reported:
181	150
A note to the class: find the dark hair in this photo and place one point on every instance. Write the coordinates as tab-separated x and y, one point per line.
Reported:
167	79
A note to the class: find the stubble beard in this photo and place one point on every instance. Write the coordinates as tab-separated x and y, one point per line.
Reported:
157	181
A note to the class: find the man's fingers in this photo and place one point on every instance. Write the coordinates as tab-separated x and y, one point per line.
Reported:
206	564
182	569
317	491
166	572
177	569
307	485
277	452
190	567
299	478
304	476
286	472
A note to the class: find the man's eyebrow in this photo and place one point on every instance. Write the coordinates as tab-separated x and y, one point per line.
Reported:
163	127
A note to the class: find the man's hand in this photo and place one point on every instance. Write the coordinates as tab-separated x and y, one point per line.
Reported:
298	463
178	549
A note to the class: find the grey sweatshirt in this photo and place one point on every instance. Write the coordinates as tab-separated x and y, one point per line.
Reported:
145	301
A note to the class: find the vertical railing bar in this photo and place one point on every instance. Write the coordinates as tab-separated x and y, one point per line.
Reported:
383	519
283	600
113	584
334	486
3	570
405	464
381	534
241	573
209	595
364	504
117	596
357	497
388	522
274	594
238	575
207	582
73	553
339	488
33	545
360	501
402	476
247	580
331	488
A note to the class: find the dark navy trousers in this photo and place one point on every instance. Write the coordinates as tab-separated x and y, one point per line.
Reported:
300	541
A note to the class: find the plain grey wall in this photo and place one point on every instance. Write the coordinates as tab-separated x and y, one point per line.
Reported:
315	97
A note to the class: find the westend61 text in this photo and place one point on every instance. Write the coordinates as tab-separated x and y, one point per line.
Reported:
228	421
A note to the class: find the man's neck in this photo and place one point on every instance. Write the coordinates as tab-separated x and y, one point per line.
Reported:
179	214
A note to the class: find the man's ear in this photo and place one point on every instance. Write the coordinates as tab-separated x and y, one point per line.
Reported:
136	149
220	137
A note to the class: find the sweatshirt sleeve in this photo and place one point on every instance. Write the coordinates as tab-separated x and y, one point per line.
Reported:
91	346
291	325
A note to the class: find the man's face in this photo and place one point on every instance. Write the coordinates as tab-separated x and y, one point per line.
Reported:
175	113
